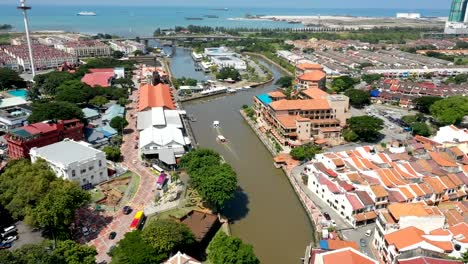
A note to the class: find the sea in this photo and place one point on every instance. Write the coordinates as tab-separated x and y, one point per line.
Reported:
143	20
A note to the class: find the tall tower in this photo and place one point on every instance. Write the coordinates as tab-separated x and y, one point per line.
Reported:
24	8
458	11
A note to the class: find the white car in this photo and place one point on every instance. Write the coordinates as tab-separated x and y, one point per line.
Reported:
10	239
368	233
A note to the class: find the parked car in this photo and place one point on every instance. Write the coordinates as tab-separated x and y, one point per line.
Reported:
127	210
362	242
9	239
5	245
327	216
368	233
112	235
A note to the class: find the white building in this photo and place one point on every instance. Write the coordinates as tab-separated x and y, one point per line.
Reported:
409	15
127	46
166	143
451	134
75	161
229	61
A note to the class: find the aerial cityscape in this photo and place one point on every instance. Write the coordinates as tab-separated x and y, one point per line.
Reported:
229	133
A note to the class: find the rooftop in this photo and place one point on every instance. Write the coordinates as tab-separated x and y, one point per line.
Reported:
308	104
200	223
66	152
155	96
345	256
313	76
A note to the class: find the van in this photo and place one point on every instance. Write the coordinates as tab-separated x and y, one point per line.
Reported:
8	230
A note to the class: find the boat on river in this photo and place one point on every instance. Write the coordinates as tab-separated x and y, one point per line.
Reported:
221	139
216	123
231	90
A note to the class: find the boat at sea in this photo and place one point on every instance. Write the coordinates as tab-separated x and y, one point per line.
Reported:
193	18
211	16
231	90
220	9
86	13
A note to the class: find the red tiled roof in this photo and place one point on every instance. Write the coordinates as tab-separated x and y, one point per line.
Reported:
276	94
427	260
155	96
354	201
442	160
308	104
315	93
309	66
334	244
98	79
312	76
460	232
346	256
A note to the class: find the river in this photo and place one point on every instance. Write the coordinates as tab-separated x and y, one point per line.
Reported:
266	212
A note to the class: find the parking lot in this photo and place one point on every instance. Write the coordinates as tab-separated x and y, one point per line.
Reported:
25	235
359	233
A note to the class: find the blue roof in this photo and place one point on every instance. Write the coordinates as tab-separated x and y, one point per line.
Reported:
375	93
324	244
107	130
90	113
264	98
113	111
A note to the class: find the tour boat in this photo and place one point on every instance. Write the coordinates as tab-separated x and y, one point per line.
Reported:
215	123
221	139
86	13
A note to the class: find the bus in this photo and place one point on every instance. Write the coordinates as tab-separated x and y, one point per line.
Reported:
137	222
161	181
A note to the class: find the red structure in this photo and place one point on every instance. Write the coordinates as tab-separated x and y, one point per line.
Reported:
22	139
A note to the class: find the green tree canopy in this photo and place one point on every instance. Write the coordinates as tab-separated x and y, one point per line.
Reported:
49	82
112	153
350	136
411	119
117	54
343	83
99	101
132	249
366	127
230	250
215	182
358	98
56	210
177	82
285	81
9	78
118	123
228	73
73	91
371	78
450	110
167	236
421	128
126	83
55	111
424	103
305	152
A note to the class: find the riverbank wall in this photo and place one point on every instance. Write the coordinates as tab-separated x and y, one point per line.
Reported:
308	205
269	61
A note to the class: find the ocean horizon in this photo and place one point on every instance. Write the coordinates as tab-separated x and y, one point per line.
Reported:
143	20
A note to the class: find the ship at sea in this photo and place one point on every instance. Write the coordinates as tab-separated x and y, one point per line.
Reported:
86	13
211	16
220	9
193	18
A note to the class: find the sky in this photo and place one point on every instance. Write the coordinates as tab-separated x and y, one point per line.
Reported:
404	4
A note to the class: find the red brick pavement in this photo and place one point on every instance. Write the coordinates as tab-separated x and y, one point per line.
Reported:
143	197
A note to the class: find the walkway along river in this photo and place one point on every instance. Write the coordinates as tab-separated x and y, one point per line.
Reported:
266	212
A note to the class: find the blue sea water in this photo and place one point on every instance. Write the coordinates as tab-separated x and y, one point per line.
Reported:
142	21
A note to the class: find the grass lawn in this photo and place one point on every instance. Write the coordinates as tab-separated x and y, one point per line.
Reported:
134	183
178	213
96	195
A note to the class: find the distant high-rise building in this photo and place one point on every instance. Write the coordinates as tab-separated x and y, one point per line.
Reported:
458	11
457	22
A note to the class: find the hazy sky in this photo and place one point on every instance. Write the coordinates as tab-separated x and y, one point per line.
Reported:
404	4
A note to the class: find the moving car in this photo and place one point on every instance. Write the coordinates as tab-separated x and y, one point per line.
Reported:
368	233
362	242
112	235
327	216
127	210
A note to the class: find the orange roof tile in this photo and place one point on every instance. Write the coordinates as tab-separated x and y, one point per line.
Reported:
406	192
415	188
453	217
406	209
425	188
315	93
379	191
436	184
460	231
457	151
443	159
346	256
287	121
447	182
440	232
405	237
445	245
312	76
454	178
384	158
309	66
308	104
337	244
155	96
277	94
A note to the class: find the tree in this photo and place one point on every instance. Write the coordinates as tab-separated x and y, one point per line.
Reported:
358	98
450	110
230	250
167	236
123	101
411	119
371	78
118	123
126	83
138	53
215	182
48	83
228	73
99	101
424	103
10	78
305	152
23	185
117	54
343	83
73	91
421	128
56	210
71	252
112	153
350	136
132	249
55	111
285	81
366	127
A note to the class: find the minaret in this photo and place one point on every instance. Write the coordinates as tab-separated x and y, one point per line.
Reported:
24	8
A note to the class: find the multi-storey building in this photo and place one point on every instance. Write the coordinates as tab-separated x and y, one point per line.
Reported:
314	115
86	48
127	46
309	75
74	161
22	140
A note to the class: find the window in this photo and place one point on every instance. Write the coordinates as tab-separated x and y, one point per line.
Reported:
73	173
100	163
100	174
92	177
91	168
83	170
